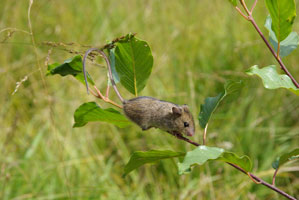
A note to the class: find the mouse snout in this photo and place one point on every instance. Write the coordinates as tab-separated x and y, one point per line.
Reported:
190	132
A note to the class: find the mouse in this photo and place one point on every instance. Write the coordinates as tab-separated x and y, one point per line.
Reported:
149	112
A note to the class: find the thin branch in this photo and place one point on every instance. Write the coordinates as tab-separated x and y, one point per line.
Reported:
257	179
181	137
272	187
276	55
106	99
253	6
113	103
241	13
107	91
245	6
93	93
272	51
99	93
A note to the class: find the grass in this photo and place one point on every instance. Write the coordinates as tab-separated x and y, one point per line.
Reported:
197	46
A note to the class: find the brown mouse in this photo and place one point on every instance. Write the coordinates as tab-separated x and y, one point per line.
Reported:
148	112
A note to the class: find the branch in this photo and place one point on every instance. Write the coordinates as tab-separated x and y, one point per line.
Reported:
106	99
283	67
181	137
276	55
253	6
244	6
241	13
252	176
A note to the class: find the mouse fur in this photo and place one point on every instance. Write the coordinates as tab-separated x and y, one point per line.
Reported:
148	112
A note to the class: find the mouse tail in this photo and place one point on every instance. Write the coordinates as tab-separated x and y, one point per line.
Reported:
109	71
84	67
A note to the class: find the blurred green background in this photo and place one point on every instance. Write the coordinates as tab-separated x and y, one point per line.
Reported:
197	46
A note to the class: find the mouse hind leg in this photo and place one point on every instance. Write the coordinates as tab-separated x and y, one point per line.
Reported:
141	123
145	124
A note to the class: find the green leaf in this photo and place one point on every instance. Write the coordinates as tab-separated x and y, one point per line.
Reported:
72	66
211	103
140	158
283	13
285	158
244	161
287	45
199	156
112	64
234	2
271	79
90	112
133	63
232	87
202	154
208	108
275	164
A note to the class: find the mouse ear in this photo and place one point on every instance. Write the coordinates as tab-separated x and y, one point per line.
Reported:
186	108
177	111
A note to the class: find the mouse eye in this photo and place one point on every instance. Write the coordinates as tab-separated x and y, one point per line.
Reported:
186	124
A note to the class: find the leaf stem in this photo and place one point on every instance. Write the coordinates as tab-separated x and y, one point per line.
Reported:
252	176
205	134
278	49
274	176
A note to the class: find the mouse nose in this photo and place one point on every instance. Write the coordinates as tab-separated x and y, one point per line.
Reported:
190	132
